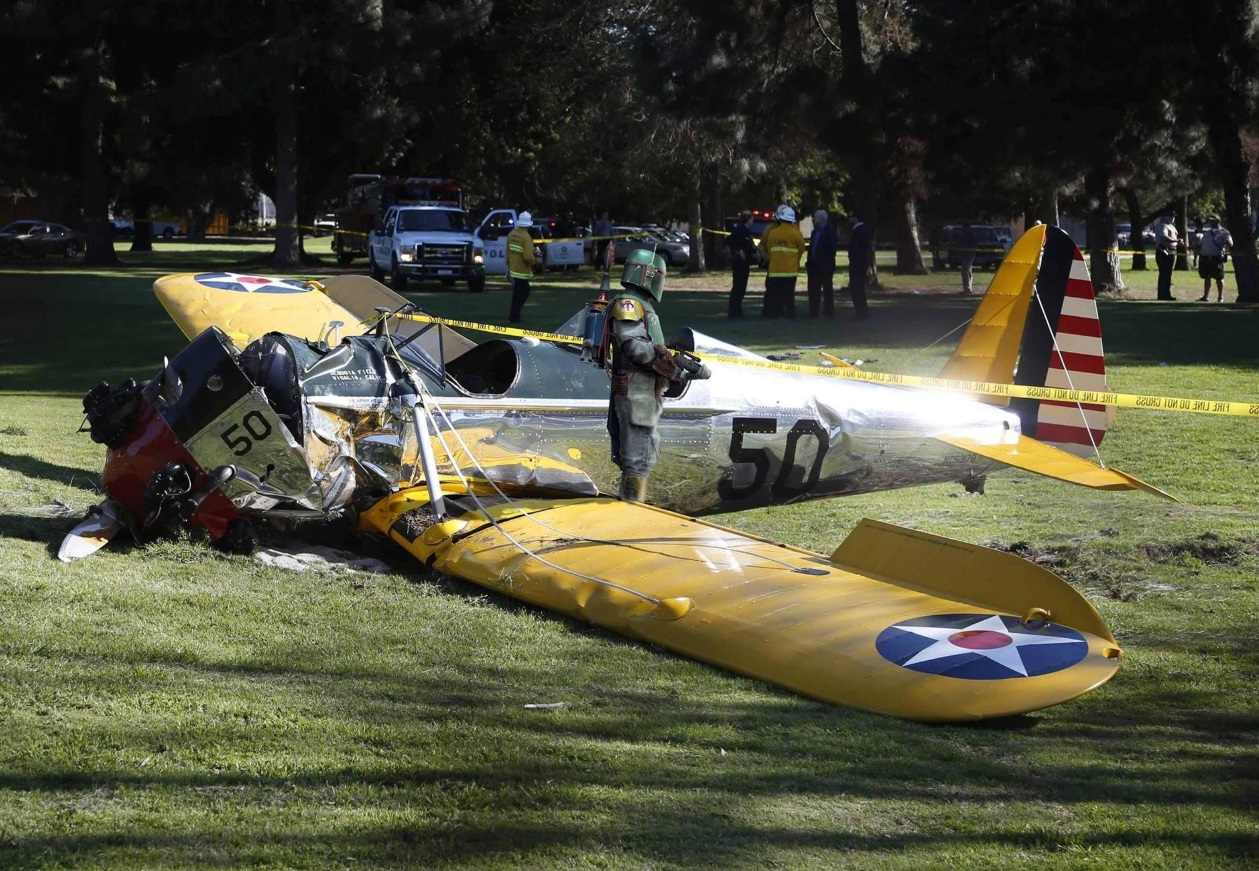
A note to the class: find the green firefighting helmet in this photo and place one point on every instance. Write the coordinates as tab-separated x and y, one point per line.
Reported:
644	270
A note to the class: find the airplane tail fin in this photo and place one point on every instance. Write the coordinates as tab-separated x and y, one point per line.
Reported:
1040	312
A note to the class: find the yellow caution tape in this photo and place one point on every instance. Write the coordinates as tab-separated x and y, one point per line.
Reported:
1055	394
488	328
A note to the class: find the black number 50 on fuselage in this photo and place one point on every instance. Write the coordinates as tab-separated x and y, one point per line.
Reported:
761	458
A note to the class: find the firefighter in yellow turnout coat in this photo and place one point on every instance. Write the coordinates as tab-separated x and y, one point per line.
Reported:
520	260
781	247
641	368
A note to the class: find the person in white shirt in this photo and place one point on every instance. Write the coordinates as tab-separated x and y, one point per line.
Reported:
1167	240
1215	244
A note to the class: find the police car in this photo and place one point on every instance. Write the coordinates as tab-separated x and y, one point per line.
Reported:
497	224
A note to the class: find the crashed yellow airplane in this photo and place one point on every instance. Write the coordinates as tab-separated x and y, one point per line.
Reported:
487	461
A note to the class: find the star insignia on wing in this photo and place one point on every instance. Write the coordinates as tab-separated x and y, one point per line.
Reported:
988	638
981	646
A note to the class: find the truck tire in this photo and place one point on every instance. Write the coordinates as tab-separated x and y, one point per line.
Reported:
397	278
344	258
374	271
168	234
476	285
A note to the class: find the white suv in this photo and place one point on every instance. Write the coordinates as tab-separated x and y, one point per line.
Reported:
426	242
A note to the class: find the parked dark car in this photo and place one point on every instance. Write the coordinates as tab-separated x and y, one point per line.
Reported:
992	241
40	238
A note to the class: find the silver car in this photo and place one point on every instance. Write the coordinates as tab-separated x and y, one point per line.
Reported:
638	237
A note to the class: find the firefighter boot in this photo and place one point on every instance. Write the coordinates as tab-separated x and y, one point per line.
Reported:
633	489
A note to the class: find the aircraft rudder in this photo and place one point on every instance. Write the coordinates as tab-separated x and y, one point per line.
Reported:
1062	348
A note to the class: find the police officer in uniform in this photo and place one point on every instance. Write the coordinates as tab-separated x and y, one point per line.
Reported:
641	368
742	248
1168	242
520	260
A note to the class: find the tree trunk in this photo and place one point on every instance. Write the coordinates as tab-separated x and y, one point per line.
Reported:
1234	169
908	251
141	222
1136	239
95	192
712	208
696	265
856	80
287	247
1103	256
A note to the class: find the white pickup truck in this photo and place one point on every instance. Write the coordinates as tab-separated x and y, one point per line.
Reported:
426	242
555	255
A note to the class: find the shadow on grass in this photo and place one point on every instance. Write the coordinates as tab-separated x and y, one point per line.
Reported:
706	839
33	467
295	737
689	794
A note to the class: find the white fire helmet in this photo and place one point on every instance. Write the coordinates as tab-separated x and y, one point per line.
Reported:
524	219
786	213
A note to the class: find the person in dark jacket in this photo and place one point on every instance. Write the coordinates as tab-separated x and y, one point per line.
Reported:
820	265
859	252
742	250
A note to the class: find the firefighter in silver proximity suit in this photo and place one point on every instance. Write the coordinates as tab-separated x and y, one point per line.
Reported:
641	368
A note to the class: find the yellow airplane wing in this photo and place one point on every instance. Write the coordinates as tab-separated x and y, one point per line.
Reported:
1028	453
895	621
247	307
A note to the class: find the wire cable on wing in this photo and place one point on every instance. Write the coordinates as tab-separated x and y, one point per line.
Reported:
454	431
1067	372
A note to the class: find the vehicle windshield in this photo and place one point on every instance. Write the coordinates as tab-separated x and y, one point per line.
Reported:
438	220
20	227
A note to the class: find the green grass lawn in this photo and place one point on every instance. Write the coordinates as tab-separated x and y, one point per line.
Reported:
171	706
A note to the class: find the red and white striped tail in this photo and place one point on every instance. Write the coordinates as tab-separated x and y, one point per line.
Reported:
1076	363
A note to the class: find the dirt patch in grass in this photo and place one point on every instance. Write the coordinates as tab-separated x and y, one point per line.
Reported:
1114	576
1124	577
1209	548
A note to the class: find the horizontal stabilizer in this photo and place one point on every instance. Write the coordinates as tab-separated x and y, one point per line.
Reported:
1028	453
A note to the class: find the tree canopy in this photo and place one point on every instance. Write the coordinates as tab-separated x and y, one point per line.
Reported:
913	114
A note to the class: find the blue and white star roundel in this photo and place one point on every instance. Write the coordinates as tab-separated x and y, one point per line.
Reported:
251	283
981	646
